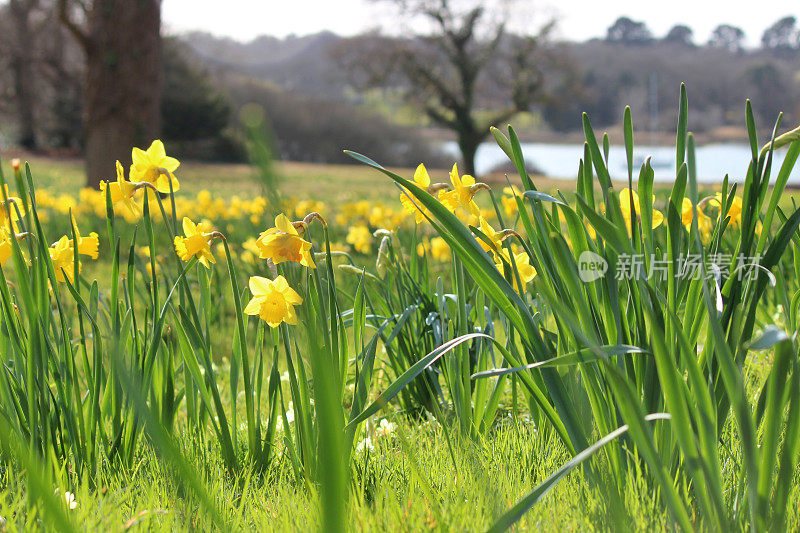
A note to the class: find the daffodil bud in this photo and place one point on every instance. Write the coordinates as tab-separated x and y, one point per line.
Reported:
383	261
350	269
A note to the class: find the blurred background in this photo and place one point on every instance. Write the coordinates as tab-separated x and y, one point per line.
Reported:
403	81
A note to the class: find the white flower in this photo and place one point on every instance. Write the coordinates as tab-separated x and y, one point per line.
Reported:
285	376
72	503
385	428
69	499
290	415
365	444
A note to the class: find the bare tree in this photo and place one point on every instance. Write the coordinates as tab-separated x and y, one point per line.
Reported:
467	75
22	70
121	40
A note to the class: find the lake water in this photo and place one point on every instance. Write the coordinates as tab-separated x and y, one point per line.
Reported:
561	160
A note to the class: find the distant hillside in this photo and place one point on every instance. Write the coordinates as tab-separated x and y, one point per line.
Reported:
297	64
606	77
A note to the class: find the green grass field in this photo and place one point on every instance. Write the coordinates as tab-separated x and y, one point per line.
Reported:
464	385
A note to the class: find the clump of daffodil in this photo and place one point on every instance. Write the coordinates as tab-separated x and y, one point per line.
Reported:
360	237
154	166
735	211
122	191
463	193
284	243
625	197
273	301
196	242
704	223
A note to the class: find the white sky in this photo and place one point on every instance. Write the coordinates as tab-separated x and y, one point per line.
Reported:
577	20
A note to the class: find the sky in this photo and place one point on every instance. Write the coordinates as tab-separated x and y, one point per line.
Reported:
577	20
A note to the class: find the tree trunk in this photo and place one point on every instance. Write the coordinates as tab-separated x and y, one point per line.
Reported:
468	145
22	69
123	82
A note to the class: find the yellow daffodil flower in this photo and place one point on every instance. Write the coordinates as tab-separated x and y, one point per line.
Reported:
5	246
735	211
195	243
495	249
439	249
704	223
273	301
122	191
422	179
251	245
625	197
360	237
11	201
462	194
86	245
283	243
509	200
63	257
524	267
154	166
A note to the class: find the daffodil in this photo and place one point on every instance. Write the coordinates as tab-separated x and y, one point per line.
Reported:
251	245
704	223
6	246
462	194
625	197
439	249
735	211
273	301
283	243
63	257
495	245
10	205
524	267
86	245
509	200
422	179
194	243
360	237
154	166
122	191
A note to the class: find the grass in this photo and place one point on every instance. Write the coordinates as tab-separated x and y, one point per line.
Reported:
491	386
473	485
483	481
339	183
